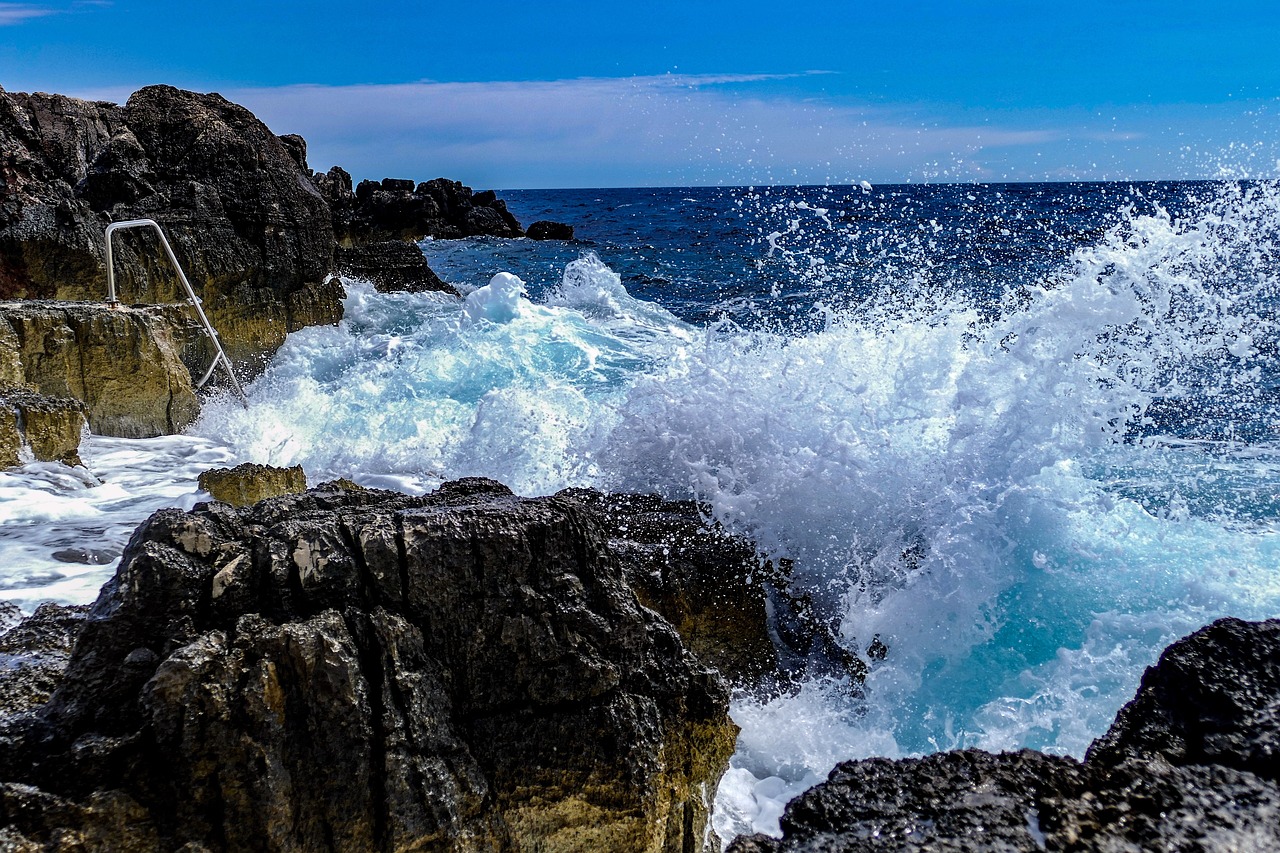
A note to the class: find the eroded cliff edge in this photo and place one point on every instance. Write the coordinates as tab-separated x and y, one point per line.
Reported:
363	670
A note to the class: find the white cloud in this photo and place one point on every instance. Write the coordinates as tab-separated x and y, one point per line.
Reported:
17	13
672	130
661	130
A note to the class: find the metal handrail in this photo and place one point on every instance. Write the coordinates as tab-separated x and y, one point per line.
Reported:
221	355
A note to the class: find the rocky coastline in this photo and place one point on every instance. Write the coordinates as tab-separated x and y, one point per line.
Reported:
346	668
263	239
339	668
352	669
1192	763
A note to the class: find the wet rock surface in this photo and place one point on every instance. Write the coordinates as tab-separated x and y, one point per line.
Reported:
545	229
710	585
34	427
124	364
253	234
353	669
34	652
1189	764
248	483
390	265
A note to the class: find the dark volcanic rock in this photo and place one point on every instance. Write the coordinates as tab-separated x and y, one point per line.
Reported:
544	229
708	584
362	670
252	232
1190	764
957	801
390	265
394	209
34	652
1214	698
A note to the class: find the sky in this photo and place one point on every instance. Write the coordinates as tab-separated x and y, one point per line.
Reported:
564	93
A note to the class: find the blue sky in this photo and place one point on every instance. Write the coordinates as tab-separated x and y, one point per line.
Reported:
525	94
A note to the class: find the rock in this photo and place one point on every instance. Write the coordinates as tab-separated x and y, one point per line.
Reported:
123	364
1213	698
390	265
341	484
105	822
708	584
33	654
248	483
365	670
959	801
546	230
1189	764
36	427
253	234
394	209
10	615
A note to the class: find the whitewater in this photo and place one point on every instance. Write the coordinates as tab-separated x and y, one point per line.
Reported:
1023	485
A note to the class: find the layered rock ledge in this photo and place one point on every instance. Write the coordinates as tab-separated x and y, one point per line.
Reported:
123	364
349	669
36	428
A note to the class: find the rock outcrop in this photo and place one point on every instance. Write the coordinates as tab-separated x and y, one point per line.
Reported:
350	669
711	586
378	224
34	652
390	265
397	209
124	364
1191	763
248	483
253	234
36	428
545	229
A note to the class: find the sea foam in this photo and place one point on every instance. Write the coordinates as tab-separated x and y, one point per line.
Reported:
1024	500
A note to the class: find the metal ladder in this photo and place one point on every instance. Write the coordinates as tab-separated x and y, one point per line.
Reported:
221	356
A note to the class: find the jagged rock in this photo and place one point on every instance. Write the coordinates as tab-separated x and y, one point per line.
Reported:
34	652
248	483
1189	764
1214	698
708	584
252	232
341	484
394	209
36	427
390	265
123	364
544	229
106	821
364	670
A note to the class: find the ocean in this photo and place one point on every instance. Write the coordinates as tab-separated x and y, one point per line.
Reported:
1024	434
